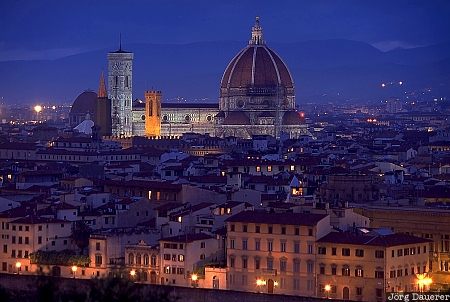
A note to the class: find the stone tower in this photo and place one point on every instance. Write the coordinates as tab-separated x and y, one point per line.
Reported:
153	113
103	113
120	87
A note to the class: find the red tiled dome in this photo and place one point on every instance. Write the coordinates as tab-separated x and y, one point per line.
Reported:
256	66
86	102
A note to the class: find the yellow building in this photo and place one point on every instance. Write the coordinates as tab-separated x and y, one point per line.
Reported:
361	267
153	113
274	252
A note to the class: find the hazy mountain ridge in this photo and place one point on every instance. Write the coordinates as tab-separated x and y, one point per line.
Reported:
322	67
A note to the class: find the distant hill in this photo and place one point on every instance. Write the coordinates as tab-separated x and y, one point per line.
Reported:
322	70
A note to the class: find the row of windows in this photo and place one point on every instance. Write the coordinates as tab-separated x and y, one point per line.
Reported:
405	272
269	246
346	271
173	246
174	270
346	252
270	229
409	251
142	260
20	240
5	226
19	254
174	257
268	168
283	265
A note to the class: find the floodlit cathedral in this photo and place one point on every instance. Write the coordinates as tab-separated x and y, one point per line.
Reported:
257	97
257	94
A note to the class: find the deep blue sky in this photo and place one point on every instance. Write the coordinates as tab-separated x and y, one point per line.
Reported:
54	28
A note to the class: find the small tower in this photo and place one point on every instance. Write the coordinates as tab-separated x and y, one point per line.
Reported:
257	34
152	113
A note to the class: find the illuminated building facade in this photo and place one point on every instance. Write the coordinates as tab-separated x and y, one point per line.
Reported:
120	85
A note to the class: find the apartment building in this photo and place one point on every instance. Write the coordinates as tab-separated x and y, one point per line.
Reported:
274	252
185	255
364	267
25	235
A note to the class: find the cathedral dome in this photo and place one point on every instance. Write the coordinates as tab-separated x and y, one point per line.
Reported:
256	66
86	102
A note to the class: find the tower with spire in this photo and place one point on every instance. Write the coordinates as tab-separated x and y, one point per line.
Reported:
120	87
103	113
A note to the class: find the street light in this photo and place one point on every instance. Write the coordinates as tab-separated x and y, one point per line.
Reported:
194	278
18	265
74	270
327	289
423	281
132	273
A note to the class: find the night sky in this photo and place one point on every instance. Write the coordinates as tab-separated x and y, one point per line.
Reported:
47	29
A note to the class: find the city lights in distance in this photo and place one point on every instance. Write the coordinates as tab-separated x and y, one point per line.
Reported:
38	108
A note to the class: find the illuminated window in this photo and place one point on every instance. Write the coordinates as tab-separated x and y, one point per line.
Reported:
179	219
292	168
258	169
269	168
149	194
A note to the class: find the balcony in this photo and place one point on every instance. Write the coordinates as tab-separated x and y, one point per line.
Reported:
268	271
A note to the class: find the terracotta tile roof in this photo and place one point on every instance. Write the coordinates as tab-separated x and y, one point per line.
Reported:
370	240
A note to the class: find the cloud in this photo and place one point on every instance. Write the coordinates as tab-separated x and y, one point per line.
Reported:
390	45
30	55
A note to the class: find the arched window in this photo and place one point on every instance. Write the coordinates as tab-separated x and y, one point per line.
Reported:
153	263
345	270
146	259
131	258
138	259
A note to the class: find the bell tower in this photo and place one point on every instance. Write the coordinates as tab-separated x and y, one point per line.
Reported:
152	113
120	87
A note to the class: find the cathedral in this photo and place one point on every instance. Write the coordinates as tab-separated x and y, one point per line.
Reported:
257	97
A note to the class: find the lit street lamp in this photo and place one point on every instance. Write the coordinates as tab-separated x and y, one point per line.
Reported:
132	273
423	281
260	283
74	270
194	278
18	265
327	289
